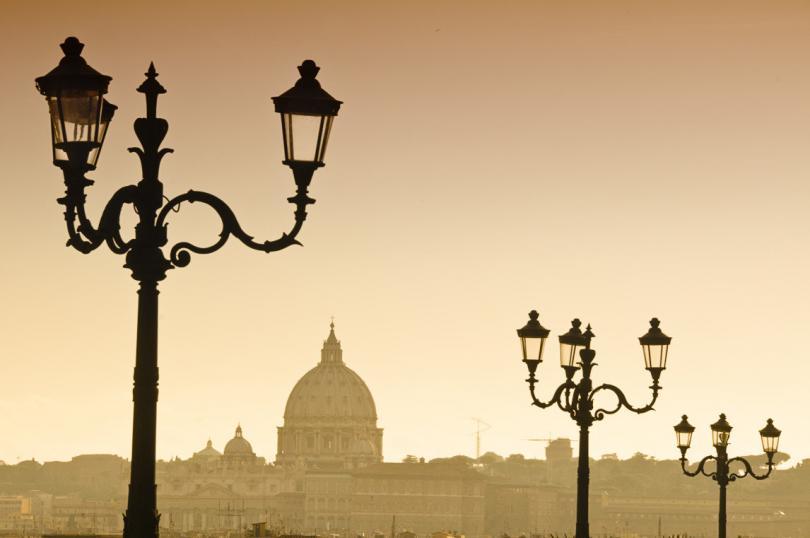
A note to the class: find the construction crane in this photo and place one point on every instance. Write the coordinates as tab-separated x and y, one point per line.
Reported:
478	432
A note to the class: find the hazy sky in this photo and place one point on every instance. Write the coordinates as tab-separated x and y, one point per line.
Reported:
604	160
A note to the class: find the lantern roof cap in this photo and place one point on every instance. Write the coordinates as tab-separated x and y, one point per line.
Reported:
533	329
770	430
722	425
72	73
307	97
654	336
683	426
574	335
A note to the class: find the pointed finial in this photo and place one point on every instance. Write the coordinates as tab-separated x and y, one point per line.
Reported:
332	325
152	88
72	46
238	429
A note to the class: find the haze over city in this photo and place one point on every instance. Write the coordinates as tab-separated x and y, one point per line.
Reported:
612	161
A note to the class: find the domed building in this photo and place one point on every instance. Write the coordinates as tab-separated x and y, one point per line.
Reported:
238	449
330	421
209	453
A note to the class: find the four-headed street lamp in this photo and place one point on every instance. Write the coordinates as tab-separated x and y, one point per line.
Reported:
577	398
722	474
80	119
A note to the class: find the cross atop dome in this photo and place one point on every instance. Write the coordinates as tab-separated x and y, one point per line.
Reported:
331	351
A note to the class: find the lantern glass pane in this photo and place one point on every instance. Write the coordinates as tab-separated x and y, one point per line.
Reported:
683	439
75	116
532	348
568	354
304	137
655	356
720	438
92	158
326	131
770	444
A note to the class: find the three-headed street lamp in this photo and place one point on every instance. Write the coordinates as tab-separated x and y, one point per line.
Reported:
722	474
80	119
577	398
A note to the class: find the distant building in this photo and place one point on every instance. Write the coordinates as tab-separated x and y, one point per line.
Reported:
424	497
330	421
520	508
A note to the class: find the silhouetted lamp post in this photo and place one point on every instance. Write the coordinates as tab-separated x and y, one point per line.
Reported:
721	433
576	398
80	118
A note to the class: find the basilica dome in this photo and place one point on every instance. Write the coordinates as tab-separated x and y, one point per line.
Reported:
330	390
330	421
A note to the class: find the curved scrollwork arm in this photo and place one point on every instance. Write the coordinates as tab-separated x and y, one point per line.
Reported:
85	237
700	468
555	399
621	401
179	253
749	471
566	405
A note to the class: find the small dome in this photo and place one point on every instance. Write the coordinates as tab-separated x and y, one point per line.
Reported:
208	452
238	446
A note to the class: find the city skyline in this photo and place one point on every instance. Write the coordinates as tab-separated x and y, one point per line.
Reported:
445	213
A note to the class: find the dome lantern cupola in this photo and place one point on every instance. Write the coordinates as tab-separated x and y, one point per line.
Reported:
331	351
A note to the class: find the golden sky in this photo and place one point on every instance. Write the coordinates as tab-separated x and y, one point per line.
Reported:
604	160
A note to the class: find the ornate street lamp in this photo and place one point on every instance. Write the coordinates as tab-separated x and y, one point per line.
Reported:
576	398
80	119
721	433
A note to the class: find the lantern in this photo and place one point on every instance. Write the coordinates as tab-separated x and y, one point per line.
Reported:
307	112
532	341
683	434
770	438
655	345
570	344
74	93
721	432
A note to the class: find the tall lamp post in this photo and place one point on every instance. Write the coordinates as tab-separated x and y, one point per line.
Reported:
80	118
722	474
576	398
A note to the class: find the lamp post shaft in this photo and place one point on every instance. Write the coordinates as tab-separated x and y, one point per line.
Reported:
721	516
148	266
583	481
722	481
141	519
